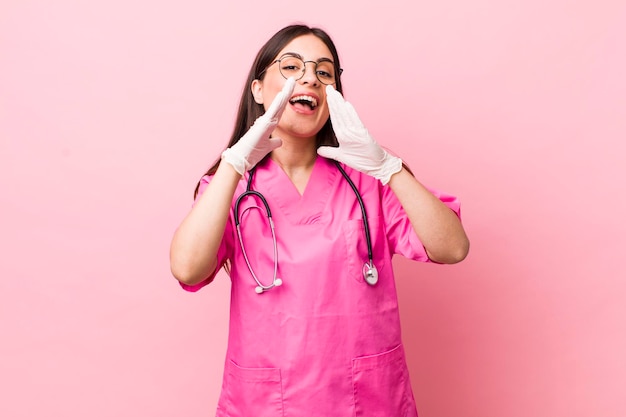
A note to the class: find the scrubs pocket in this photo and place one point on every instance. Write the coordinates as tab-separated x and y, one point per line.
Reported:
381	385
252	392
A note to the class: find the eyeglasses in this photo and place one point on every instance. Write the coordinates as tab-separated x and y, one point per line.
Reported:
294	66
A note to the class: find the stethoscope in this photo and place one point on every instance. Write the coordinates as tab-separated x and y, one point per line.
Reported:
370	273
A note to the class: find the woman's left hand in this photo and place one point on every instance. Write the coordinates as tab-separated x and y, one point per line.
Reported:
357	149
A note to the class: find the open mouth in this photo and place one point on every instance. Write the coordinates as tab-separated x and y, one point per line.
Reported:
304	102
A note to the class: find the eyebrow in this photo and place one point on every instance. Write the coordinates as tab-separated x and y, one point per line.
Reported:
296	55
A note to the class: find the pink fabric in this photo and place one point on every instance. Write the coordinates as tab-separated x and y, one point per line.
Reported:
325	342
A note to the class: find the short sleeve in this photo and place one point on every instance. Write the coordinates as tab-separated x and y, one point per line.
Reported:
402	238
223	250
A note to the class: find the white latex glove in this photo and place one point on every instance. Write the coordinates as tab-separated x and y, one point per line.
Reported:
357	149
256	143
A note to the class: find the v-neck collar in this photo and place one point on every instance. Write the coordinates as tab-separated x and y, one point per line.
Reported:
283	194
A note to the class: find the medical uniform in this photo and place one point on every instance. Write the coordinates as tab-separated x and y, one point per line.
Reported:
325	343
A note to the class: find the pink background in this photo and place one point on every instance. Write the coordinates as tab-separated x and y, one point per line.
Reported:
110	112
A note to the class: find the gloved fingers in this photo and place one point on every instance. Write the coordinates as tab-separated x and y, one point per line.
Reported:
280	101
274	143
352	116
343	115
336	105
329	152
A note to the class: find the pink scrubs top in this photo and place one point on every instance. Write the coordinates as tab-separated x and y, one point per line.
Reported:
325	343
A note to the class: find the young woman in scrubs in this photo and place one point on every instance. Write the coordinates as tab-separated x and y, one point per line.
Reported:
312	337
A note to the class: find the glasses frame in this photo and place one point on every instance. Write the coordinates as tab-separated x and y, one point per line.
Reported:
285	56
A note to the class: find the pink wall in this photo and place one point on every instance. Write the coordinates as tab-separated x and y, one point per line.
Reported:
110	111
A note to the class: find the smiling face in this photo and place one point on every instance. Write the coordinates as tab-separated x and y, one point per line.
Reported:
307	110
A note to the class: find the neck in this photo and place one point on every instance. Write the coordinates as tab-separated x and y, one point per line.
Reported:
295	155
296	161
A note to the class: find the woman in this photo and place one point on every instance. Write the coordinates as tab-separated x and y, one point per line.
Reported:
314	326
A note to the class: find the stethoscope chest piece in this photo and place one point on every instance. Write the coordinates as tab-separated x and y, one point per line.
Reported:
370	273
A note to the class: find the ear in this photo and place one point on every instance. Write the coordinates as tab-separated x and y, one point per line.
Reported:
257	91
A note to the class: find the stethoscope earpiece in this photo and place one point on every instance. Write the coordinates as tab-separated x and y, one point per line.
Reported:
259	289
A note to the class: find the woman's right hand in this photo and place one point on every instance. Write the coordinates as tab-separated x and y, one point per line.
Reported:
194	248
256	143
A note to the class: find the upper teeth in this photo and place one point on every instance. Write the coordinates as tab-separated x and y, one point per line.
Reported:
310	99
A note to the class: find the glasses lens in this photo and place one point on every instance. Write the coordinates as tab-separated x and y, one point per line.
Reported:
291	66
325	72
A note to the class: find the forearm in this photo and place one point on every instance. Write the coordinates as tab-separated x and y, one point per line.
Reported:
193	251
439	228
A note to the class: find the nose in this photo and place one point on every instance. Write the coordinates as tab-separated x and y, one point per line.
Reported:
310	76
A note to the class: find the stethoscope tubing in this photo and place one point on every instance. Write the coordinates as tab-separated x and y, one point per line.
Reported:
366	225
275	281
247	193
369	270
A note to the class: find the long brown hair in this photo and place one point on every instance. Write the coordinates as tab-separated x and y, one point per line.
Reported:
250	110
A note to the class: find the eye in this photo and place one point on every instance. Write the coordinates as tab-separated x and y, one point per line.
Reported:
290	64
324	74
325	70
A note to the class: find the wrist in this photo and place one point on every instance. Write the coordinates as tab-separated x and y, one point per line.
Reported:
227	171
234	159
390	166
